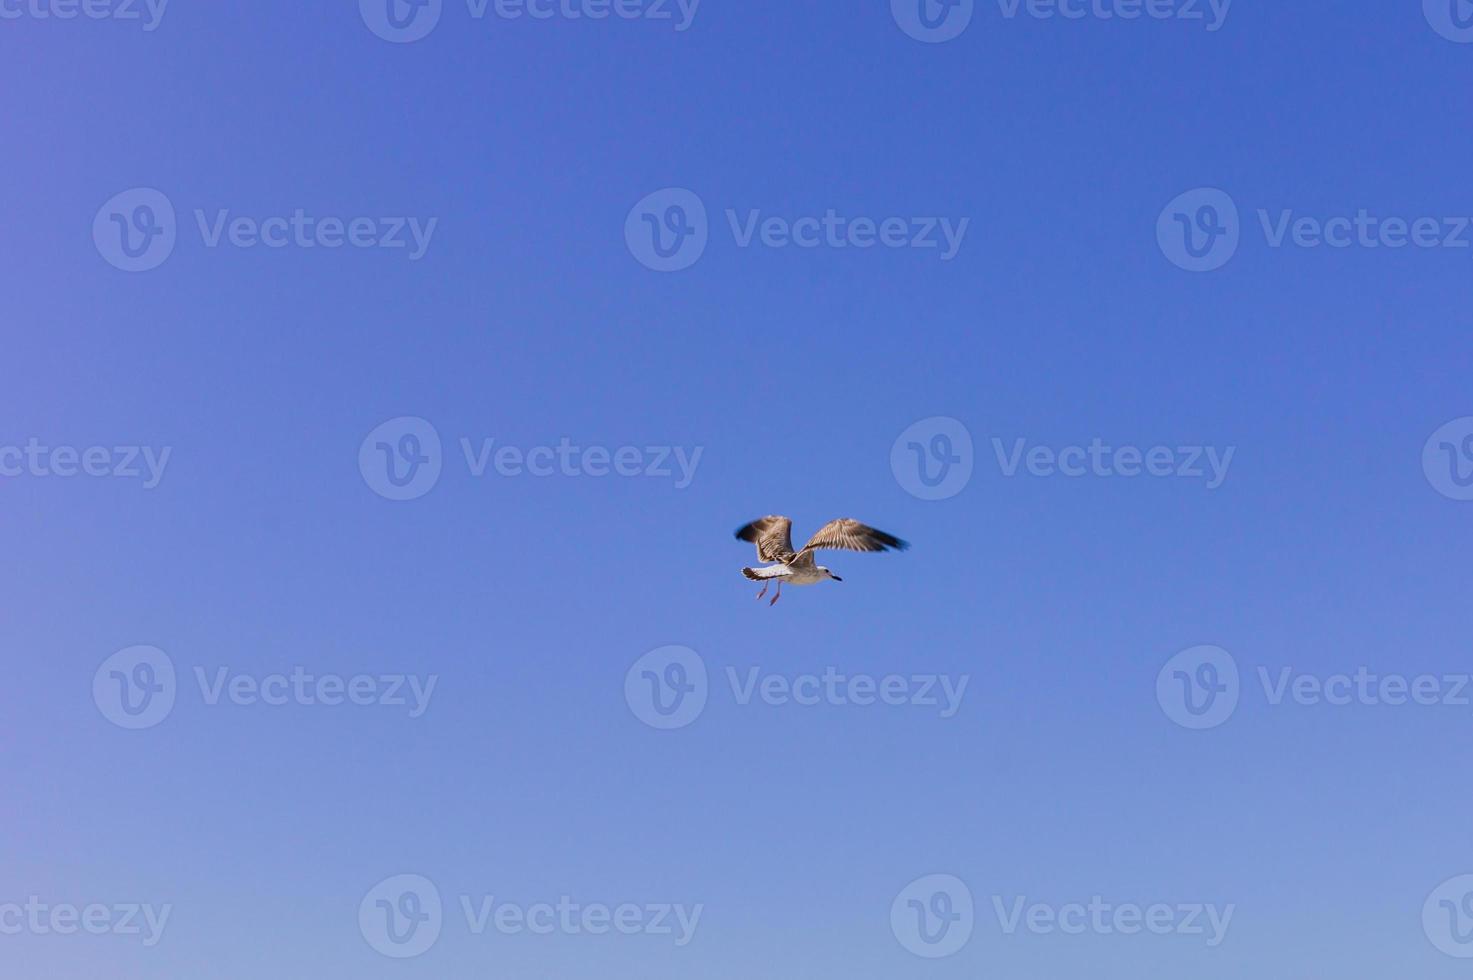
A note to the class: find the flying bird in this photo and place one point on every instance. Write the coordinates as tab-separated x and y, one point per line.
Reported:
773	536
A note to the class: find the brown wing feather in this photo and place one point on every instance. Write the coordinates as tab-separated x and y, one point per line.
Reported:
773	536
847	534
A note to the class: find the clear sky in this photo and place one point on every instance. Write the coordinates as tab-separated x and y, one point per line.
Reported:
255	254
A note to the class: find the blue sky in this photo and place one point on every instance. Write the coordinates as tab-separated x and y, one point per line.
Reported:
236	395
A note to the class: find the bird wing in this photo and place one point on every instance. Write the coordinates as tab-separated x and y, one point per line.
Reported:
847	534
773	536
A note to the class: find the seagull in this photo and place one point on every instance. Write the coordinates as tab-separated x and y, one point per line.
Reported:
773	536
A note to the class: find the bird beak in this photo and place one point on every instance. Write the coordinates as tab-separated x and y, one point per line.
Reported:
835	577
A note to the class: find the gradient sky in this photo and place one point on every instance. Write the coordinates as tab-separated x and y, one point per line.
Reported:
529	320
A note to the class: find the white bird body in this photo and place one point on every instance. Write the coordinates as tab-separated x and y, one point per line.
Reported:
773	536
790	575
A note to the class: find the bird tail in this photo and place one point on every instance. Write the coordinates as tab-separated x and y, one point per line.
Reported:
751	574
762	574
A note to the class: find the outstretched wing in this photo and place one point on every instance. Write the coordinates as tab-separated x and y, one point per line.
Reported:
847	534
773	536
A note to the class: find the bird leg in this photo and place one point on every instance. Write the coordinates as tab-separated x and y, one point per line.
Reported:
777	595
764	588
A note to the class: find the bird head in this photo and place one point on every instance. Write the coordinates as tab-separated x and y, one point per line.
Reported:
829	574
